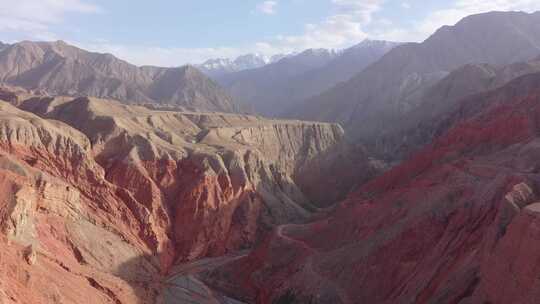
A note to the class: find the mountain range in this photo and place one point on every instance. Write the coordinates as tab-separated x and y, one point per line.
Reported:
393	86
417	128
221	66
275	88
57	68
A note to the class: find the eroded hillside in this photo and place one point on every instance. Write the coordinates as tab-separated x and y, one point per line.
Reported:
108	198
453	224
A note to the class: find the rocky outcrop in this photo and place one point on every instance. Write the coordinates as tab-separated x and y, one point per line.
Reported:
61	222
510	273
454	224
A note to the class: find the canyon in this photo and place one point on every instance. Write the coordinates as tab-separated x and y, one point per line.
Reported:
108	197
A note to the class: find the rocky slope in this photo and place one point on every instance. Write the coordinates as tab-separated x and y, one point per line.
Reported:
273	89
456	223
417	128
107	198
57	68
374	99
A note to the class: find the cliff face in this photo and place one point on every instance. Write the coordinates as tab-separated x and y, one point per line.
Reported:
108	198
450	225
61	222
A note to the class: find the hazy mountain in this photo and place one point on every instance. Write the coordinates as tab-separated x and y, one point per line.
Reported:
3	45
347	64
417	128
278	57
273	89
374	99
61	69
218	67
221	66
259	88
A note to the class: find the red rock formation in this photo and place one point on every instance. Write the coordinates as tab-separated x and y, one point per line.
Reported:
62	224
109	199
457	223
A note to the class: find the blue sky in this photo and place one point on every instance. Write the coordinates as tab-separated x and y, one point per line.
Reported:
175	32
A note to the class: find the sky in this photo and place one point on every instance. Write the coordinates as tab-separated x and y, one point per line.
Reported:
176	32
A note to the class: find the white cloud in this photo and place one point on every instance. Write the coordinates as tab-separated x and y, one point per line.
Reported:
349	22
159	56
343	27
33	18
267	7
171	56
340	29
451	15
406	5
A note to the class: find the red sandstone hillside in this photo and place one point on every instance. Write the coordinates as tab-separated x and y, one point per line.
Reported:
107	198
57	68
456	223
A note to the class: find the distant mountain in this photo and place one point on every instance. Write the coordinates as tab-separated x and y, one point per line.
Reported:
3	45
220	66
260	88
57	68
347	64
274	88
378	97
278	57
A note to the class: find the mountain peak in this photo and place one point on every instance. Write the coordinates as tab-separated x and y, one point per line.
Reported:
60	43
318	52
220	66
192	72
366	43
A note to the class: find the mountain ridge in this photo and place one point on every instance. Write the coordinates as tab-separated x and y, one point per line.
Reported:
274	88
385	90
58	68
220	66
